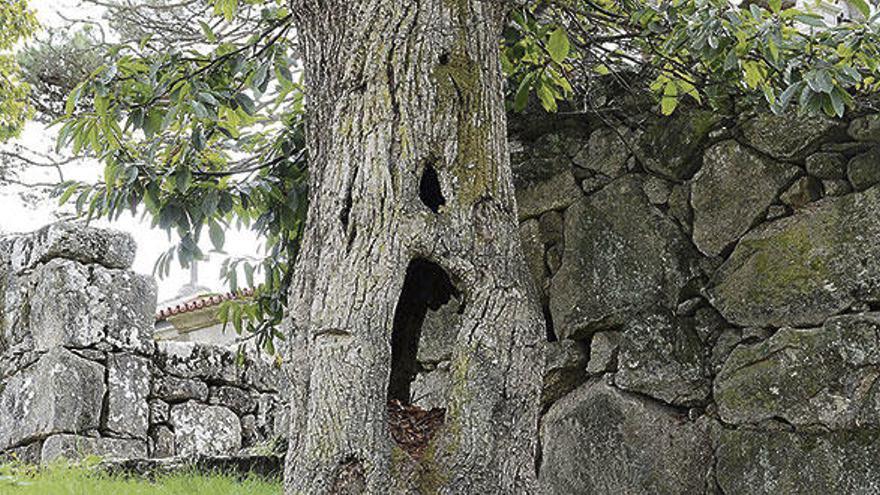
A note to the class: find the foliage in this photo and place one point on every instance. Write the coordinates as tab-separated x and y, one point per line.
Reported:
205	137
196	113
705	50
55	62
17	22
63	478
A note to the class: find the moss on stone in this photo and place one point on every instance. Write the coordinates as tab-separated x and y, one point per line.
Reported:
671	146
803	272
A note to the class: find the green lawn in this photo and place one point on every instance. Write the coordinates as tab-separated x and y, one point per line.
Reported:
61	479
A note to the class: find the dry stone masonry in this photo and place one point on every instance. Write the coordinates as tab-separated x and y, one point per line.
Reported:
81	374
713	290
711	287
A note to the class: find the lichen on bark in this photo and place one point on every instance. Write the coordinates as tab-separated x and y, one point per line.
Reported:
416	84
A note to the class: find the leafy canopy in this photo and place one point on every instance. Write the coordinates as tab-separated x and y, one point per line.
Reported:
708	51
17	22
204	128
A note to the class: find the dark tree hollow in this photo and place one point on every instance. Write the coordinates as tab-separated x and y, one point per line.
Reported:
426	286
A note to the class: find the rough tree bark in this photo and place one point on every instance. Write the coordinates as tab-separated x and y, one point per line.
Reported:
410	168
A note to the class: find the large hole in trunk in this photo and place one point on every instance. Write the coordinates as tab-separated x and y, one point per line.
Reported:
426	286
426	289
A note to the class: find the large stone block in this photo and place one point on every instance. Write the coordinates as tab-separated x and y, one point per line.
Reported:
174	389
662	356
59	393
128	381
604	348
555	193
263	375
799	270
206	430
807	377
78	305
863	171
598	439
621	255
789	136
826	165
14	305
75	447
607	151
775	462
430	389
72	241
194	360
237	399
671	146
540	157
161	442
439	331
731	192
564	370
865	128
160	411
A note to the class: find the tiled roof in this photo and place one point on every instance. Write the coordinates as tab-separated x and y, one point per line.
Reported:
200	302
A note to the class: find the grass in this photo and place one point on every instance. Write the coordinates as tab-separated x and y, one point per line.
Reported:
84	479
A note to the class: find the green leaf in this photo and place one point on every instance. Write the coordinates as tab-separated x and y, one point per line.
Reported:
811	20
199	110
226	8
249	274
218	237
208	32
837	102
131	174
70	104
208	98
669	101
558	45
861	6
769	94
789	93
261	78
68	193
110	171
153	123
731	61
183	178
198	140
246	103
548	99
820	81
522	93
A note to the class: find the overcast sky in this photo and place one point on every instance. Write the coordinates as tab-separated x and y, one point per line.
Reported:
19	215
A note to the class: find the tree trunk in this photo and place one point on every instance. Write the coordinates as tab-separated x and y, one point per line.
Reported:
409	174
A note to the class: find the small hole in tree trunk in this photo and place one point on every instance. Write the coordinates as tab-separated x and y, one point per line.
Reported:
444	58
548	324
345	212
429	189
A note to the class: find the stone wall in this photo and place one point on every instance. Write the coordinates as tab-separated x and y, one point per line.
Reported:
711	287
81	374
